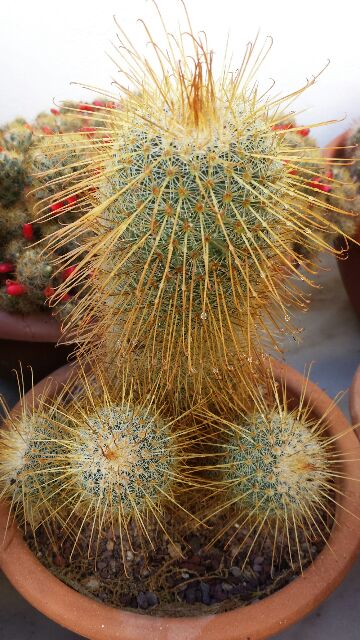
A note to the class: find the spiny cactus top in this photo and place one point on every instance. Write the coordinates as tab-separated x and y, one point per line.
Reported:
122	458
195	204
29	457
276	466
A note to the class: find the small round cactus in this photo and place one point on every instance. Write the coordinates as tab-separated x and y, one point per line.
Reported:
33	270
12	177
121	458
17	136
275	466
30	450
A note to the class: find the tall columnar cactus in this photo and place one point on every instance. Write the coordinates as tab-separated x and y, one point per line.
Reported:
197	202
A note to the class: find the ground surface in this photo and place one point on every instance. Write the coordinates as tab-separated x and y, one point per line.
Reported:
331	341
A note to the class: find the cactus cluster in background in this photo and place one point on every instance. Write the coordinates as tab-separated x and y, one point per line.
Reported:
27	152
176	226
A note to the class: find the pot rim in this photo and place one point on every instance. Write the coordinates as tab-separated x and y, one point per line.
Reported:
32	327
255	621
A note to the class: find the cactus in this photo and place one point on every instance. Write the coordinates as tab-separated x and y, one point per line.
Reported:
33	270
17	136
12	177
275	467
102	454
21	154
354	153
176	219
347	194
198	205
29	450
12	220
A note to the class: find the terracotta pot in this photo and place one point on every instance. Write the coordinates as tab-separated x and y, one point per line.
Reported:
333	149
349	267
256	621
354	399
31	340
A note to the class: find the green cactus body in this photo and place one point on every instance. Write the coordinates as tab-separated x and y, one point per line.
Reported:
12	177
198	199
12	250
17	136
127	465
29	451
33	270
276	468
354	140
347	193
12	220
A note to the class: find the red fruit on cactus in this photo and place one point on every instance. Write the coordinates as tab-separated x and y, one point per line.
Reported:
65	297
6	267
55	112
28	231
54	208
304	132
67	272
48	292
15	288
71	199
86	107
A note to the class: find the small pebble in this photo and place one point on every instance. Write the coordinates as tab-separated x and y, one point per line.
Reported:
91	583
174	551
235	571
129	555
110	545
152	598
142	600
205	593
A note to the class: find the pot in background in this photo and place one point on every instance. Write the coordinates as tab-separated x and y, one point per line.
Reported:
32	340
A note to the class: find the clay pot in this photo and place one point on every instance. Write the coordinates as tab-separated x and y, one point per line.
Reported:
31	340
349	266
354	399
256	621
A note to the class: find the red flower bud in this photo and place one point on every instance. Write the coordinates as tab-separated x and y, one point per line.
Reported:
15	289
48	292
56	206
55	112
71	199
47	131
6	267
304	132
67	272
28	231
86	107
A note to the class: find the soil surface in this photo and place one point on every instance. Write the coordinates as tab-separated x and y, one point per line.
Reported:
181	576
